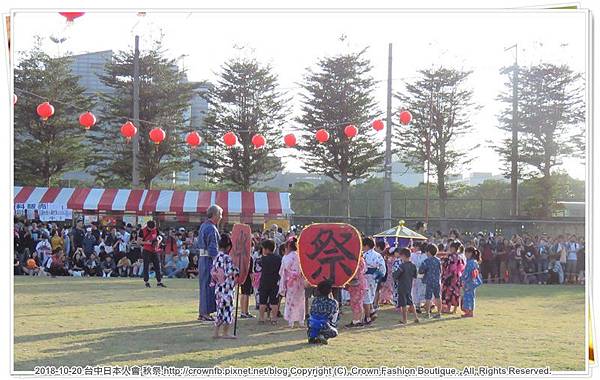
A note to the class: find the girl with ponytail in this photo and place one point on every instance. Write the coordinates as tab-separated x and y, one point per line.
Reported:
471	280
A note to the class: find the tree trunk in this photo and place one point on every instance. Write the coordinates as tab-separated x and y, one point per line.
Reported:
345	192
546	194
443	196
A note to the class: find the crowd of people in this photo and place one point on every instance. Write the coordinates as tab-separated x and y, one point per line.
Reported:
439	274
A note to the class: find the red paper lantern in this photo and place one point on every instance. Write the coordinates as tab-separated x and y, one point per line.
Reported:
157	135
45	110
193	139
350	131
405	117
378	125
322	135
230	139
290	140
128	130
70	16
14	99
258	141
87	120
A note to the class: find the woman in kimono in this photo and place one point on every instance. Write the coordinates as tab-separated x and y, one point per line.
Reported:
386	294
357	287
223	274
471	280
452	271
291	285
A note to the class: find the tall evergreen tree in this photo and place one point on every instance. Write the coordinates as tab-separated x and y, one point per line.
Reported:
338	93
551	124
44	151
245	100
165	96
441	107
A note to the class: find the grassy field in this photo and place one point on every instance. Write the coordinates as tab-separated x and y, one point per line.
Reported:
74	321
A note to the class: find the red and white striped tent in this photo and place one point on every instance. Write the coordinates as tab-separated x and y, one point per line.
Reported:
144	202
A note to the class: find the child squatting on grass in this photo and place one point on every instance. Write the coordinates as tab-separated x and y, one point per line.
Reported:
323	315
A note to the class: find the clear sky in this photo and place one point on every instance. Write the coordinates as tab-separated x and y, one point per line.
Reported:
293	41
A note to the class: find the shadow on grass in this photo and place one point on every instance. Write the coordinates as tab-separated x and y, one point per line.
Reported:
153	344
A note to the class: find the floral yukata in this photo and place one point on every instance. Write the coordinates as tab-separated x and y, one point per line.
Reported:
357	287
223	277
452	270
386	294
471	280
291	286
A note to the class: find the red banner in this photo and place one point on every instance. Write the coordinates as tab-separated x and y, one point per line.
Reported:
329	251
241	239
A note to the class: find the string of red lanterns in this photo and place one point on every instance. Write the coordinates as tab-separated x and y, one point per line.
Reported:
46	110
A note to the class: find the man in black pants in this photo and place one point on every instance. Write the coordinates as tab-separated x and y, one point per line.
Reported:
148	238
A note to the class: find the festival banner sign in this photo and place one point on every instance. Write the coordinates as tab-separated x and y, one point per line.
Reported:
241	239
329	251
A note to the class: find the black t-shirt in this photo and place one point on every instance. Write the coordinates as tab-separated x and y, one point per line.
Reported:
270	271
408	271
78	235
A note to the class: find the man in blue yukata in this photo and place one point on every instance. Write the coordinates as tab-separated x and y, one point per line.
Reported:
208	239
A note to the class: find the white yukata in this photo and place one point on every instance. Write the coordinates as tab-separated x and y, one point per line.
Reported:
418	289
374	262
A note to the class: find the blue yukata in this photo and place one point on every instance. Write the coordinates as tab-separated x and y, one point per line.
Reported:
431	269
471	279
208	238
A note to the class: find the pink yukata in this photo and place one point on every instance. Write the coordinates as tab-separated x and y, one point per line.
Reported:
291	285
358	287
386	294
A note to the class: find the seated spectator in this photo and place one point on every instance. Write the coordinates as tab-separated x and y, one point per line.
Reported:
108	267
555	271
44	249
124	266
78	263
181	264
18	270
137	269
171	266
192	269
92	266
32	267
55	264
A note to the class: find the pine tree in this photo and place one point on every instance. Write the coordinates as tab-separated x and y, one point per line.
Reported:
44	151
245	100
338	93
165	95
441	106
551	125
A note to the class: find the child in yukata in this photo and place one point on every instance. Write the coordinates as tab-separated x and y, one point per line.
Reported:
418	289
223	275
403	273
431	270
323	315
471	280
357	288
291	285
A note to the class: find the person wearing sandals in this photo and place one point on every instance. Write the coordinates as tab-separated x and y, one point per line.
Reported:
223	274
291	285
268	289
403	273
208	238
376	269
246	291
357	288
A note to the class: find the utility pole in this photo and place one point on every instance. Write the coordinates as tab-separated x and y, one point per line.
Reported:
428	148
136	112
514	172
387	181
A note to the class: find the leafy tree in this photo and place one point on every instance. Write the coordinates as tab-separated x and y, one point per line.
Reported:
551	124
165	95
245	101
441	105
338	93
45	150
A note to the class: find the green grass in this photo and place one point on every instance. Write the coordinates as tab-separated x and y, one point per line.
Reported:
74	321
